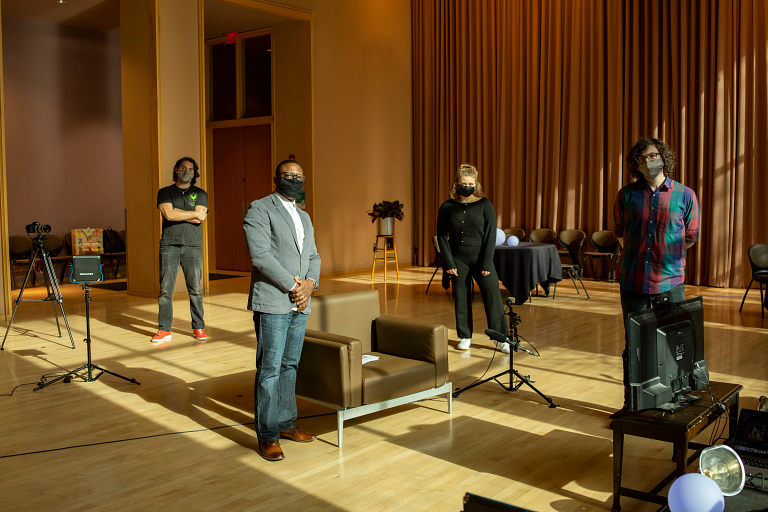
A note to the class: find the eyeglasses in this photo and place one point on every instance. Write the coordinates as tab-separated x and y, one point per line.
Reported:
293	176
648	158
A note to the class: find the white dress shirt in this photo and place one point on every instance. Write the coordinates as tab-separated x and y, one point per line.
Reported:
291	207
298	226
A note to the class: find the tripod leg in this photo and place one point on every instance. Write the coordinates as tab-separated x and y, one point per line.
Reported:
102	370
525	381
51	297
15	307
56	293
60	377
21	293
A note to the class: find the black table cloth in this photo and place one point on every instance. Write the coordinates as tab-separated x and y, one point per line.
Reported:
522	267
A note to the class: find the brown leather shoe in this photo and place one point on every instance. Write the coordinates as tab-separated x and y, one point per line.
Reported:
298	435
271	450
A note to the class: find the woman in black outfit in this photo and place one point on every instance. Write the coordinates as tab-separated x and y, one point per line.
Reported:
466	233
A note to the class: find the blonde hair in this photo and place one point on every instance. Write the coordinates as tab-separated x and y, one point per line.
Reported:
470	171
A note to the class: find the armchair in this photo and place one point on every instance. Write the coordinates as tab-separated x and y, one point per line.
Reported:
412	364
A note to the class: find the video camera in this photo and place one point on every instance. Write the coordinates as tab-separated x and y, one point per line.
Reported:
38	228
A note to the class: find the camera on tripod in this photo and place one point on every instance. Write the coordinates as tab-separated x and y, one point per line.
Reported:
38	228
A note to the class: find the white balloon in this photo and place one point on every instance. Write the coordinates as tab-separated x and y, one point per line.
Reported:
694	492
513	241
501	236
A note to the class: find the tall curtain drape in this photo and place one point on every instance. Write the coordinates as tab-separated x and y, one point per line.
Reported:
545	98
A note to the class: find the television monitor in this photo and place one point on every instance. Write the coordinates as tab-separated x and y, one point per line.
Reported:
666	355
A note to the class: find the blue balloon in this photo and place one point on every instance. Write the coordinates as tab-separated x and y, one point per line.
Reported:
694	492
501	236
513	241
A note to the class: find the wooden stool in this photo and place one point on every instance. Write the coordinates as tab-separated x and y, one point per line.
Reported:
679	429
386	259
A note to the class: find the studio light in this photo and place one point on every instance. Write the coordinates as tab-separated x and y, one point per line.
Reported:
724	466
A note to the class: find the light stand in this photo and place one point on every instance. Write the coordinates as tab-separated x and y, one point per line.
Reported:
51	286
89	365
514	342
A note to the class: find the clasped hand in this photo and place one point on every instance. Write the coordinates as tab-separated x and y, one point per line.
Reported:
455	272
300	294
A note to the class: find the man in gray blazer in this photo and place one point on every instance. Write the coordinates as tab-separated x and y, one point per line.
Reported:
286	270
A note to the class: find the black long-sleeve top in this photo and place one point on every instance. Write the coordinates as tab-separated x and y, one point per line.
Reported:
470	224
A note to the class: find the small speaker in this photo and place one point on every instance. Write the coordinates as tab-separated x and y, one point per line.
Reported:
86	269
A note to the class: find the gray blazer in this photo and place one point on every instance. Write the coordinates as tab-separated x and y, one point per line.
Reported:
274	249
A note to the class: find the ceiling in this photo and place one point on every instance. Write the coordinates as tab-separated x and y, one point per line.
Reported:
103	15
221	18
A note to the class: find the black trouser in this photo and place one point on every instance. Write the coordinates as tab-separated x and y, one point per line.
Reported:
631	302
468	267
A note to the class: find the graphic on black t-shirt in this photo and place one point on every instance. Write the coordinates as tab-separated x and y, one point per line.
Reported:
182	232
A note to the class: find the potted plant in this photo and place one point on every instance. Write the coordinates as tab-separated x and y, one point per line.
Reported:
385	213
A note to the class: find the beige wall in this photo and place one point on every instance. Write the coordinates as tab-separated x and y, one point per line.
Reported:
140	144
179	93
161	121
362	124
293	98
180	88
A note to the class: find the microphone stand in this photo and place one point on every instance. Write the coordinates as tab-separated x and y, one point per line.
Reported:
514	342
90	366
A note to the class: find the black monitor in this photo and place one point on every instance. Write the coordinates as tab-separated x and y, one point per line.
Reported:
666	355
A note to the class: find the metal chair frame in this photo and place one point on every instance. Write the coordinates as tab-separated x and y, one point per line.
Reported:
577	257
438	261
759	274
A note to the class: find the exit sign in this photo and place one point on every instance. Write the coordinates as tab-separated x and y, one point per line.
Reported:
231	38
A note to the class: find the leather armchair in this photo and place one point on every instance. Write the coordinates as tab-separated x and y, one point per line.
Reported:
412	364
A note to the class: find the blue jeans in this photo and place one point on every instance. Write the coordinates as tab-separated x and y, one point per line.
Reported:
279	340
191	261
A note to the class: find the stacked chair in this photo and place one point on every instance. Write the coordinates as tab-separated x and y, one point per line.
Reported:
567	236
542	236
606	247
518	232
758	259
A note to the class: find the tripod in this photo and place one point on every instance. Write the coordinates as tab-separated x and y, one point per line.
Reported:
51	286
89	365
514	341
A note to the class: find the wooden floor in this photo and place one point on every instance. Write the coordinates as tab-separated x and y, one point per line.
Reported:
175	442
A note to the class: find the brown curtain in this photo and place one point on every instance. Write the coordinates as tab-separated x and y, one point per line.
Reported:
545	97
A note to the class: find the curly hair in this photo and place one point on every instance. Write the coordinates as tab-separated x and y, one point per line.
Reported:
466	170
194	166
640	146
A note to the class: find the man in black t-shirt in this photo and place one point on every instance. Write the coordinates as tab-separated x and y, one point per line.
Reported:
184	208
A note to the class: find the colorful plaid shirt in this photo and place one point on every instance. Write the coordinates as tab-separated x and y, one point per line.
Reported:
656	226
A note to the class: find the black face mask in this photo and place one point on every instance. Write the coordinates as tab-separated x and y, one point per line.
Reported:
291	188
465	191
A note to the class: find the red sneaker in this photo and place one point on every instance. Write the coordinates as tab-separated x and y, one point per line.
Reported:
161	337
199	334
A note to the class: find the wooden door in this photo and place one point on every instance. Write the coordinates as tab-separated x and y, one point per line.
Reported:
258	162
242	161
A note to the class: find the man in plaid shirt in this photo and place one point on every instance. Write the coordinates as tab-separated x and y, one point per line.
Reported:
656	220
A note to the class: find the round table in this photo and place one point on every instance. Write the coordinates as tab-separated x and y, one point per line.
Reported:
522	267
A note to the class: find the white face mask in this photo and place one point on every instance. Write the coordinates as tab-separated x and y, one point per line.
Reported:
651	169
